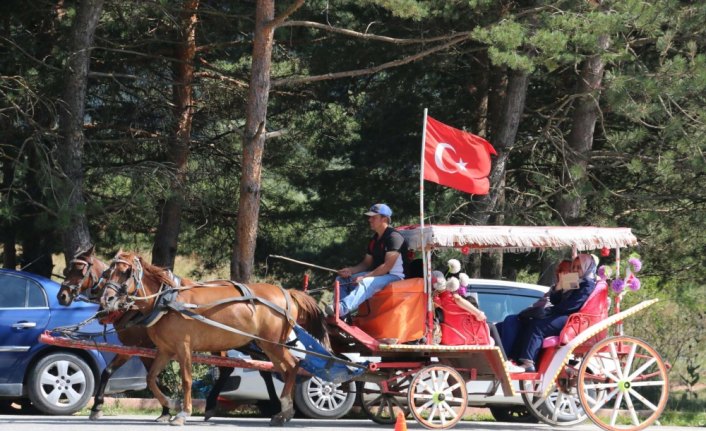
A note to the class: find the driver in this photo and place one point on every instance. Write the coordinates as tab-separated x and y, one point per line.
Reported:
383	263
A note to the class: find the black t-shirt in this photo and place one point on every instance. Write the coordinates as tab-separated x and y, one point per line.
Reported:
391	240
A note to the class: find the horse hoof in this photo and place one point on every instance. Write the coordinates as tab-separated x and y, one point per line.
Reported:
95	415
163	419
178	421
208	414
276	421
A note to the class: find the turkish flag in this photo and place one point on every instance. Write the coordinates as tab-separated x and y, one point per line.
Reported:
457	159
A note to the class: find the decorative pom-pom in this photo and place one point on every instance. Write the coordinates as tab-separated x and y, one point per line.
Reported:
635	263
452	284
464	279
604	272
438	281
634	284
454	266
617	285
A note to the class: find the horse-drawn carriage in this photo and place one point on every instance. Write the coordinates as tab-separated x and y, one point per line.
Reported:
618	381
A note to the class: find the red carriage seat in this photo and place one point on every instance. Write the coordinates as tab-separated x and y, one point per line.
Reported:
593	311
396	312
459	326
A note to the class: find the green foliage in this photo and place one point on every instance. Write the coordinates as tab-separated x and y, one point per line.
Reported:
349	142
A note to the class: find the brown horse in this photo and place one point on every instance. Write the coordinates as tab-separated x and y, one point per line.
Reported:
238	314
82	278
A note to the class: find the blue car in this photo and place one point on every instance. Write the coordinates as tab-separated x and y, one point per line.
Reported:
56	380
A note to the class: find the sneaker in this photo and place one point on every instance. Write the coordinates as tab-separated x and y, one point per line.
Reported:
527	365
513	368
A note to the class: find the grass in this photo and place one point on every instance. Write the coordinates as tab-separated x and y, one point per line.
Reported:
685	411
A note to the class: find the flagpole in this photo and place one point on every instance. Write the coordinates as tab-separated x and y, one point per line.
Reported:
426	260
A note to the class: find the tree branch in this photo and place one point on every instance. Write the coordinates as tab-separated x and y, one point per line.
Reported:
367	36
360	72
278	20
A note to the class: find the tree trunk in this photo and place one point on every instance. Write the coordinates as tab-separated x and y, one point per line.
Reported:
243	258
71	118
503	139
167	236
580	140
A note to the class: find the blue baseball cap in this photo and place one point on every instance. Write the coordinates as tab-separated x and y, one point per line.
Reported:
379	209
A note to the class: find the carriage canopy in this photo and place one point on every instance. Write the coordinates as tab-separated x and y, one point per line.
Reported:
517	238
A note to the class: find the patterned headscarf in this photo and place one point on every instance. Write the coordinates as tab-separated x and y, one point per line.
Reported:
588	266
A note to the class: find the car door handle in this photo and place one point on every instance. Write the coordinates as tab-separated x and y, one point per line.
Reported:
24	325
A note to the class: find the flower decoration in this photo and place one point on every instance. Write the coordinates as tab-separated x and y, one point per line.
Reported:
438	281
634	284
604	272
636	264
454	266
465	250
630	280
452	284
605	252
617	285
464	280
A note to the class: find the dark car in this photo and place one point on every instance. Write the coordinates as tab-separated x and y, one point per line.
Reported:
56	380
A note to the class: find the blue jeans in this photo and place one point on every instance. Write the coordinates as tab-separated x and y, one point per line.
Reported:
352	294
534	333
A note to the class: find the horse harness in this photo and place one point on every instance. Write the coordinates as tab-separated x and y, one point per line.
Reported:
167	300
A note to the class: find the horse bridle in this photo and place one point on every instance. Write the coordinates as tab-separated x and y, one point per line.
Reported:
135	272
75	289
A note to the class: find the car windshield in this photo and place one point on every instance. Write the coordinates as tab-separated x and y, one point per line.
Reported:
497	306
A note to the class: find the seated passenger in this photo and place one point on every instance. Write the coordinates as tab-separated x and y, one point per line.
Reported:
383	263
564	302
509	328
446	291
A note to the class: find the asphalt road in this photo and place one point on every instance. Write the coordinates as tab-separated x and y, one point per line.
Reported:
146	423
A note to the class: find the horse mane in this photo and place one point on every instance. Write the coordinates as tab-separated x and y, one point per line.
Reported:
311	316
161	274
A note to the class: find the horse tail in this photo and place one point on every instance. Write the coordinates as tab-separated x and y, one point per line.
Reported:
310	316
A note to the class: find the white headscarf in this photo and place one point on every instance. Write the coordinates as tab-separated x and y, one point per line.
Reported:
588	266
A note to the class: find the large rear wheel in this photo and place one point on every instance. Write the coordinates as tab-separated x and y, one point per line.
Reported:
437	397
632	379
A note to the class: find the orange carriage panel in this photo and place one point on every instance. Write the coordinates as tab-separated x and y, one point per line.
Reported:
396	312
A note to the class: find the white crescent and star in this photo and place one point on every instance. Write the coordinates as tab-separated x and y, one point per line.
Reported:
439	159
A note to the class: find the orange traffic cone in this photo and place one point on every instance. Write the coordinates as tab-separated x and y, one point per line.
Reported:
401	424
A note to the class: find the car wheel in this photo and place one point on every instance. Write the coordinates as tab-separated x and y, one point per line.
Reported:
318	399
60	384
512	414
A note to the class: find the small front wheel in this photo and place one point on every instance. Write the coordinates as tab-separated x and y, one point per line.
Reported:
383	400
438	397
632	380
